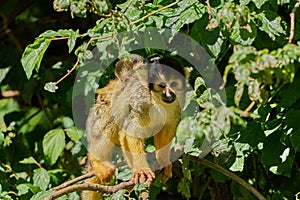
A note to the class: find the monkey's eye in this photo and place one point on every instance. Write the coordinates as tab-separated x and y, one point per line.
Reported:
162	85
173	84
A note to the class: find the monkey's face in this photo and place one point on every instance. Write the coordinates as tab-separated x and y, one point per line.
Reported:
166	84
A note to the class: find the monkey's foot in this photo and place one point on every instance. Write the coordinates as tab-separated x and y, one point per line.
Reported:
143	176
103	171
167	173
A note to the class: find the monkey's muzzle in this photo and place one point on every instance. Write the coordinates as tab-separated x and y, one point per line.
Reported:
168	95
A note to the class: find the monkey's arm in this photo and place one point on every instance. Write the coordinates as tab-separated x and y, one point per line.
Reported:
133	148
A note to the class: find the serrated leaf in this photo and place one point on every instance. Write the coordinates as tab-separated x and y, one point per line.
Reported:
53	144
50	87
41	178
74	134
33	54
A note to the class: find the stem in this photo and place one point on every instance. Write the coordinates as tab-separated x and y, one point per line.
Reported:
231	175
152	13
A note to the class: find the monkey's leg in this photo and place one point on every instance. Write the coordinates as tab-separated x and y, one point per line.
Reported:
134	152
162	143
98	163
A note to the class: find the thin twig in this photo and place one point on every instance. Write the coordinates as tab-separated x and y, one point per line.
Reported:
209	11
75	180
78	60
292	16
245	113
130	2
92	187
229	174
152	13
68	73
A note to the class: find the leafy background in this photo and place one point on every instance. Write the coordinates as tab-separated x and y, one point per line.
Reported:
252	43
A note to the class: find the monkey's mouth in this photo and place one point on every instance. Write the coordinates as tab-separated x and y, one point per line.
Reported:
170	98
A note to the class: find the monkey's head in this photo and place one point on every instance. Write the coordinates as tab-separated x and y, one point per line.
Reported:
166	79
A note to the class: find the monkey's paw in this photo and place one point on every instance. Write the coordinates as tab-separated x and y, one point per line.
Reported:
143	176
166	174
104	172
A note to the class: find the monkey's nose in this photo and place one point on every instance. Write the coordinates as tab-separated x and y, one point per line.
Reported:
168	96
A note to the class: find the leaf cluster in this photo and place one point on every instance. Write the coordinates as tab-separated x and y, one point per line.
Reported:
248	124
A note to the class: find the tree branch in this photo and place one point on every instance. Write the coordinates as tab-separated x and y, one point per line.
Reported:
75	180
292	16
229	174
92	187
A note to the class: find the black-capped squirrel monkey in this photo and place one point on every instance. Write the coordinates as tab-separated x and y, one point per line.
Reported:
145	100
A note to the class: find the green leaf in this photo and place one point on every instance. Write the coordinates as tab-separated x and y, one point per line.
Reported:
270	23
72	40
33	54
252	134
138	188
2	138
53	144
211	40
271	151
295	139
41	178
50	87
41	195
74	134
118	195
3	72
65	121
29	160
238	93
244	35
24	188
289	96
292	118
259	3
238	165
61	5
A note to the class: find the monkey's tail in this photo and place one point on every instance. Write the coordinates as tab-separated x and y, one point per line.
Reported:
91	195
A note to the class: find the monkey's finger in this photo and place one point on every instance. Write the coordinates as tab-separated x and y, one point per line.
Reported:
142	178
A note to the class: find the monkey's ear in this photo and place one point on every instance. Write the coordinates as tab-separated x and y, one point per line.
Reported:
124	67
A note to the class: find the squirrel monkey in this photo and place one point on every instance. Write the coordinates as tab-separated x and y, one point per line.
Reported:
145	100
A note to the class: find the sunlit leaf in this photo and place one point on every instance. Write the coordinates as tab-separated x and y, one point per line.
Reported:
51	87
74	134
53	144
33	54
270	23
41	178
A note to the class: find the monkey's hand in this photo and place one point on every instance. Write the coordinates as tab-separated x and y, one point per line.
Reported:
143	176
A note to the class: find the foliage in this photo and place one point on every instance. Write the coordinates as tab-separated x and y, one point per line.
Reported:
253	132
